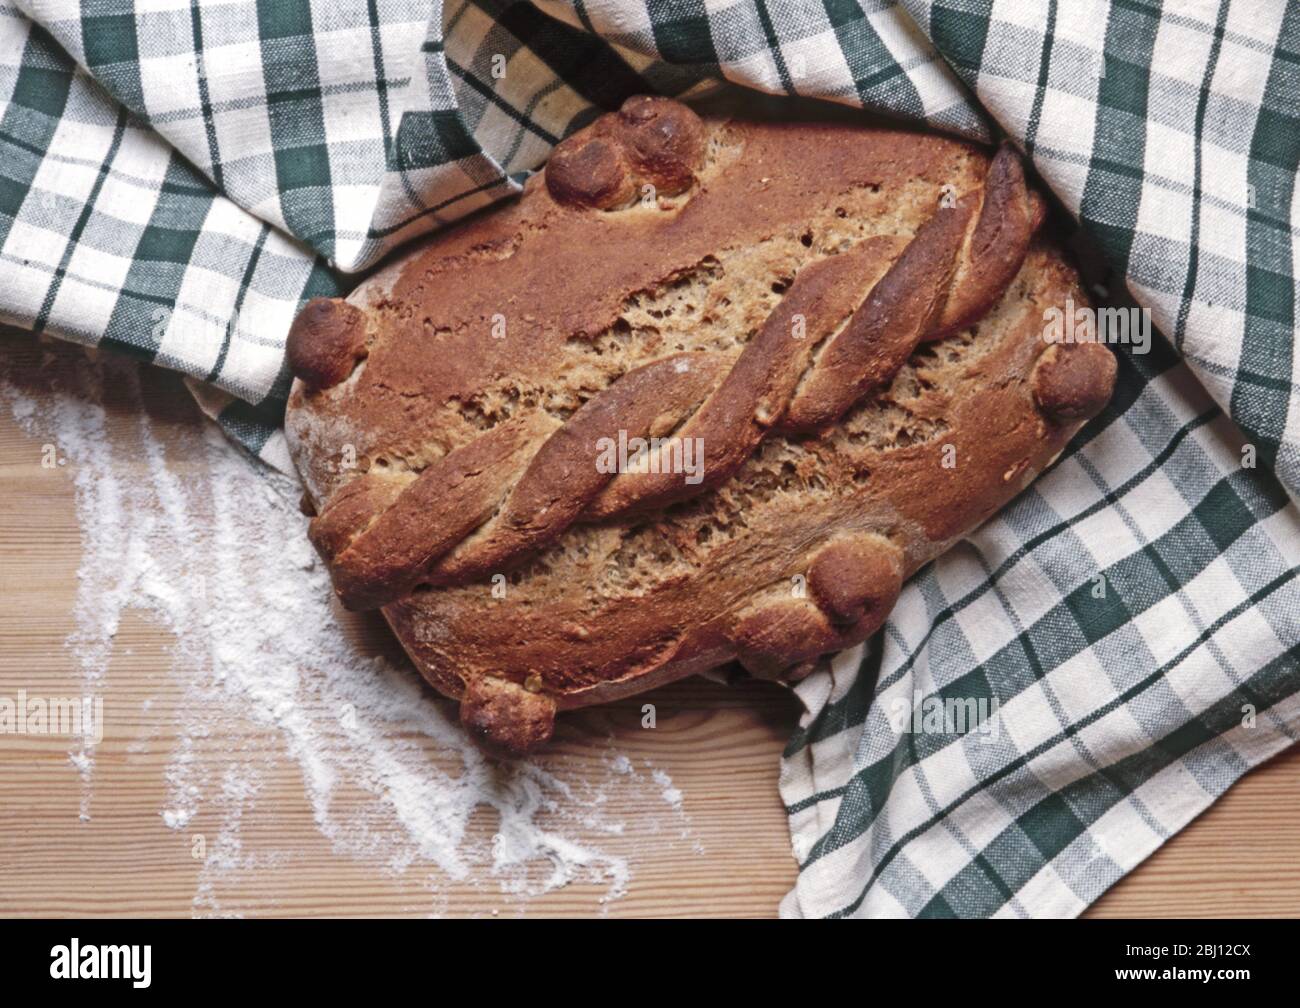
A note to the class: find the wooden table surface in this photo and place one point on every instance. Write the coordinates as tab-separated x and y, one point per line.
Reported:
720	745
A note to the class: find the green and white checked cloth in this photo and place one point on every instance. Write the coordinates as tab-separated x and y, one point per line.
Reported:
177	176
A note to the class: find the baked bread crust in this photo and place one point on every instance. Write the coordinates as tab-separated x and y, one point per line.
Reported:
847	321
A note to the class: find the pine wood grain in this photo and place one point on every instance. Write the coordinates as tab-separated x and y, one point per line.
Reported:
719	744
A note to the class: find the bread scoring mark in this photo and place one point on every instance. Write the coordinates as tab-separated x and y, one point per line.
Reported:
675	306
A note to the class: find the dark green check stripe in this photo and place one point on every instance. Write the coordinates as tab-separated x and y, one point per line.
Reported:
1044	79
1068	731
1042	833
83	219
774	46
1112	192
877	76
205	98
685	37
159	263
244	283
1198	159
400	152
112	54
297	118
1262	395
30	119
996	882
381	78
960	36
1228	511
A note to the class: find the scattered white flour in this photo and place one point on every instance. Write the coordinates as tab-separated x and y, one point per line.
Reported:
213	548
667	792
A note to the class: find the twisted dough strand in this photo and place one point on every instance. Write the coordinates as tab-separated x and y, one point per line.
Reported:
488	505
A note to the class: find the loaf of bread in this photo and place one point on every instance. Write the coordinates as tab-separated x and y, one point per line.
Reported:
709	391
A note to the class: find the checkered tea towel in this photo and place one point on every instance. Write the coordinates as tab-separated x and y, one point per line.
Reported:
1049	701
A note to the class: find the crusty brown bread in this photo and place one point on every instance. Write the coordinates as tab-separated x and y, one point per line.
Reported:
845	324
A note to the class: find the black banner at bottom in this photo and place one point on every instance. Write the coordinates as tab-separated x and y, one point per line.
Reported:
333	957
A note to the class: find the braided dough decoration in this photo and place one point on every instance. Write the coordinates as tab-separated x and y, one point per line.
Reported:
839	335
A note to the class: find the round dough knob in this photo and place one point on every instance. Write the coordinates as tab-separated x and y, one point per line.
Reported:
590	171
666	140
325	341
857	578
504	718
1073	381
650	140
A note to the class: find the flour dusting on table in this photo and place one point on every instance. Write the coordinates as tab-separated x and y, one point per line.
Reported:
213	547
